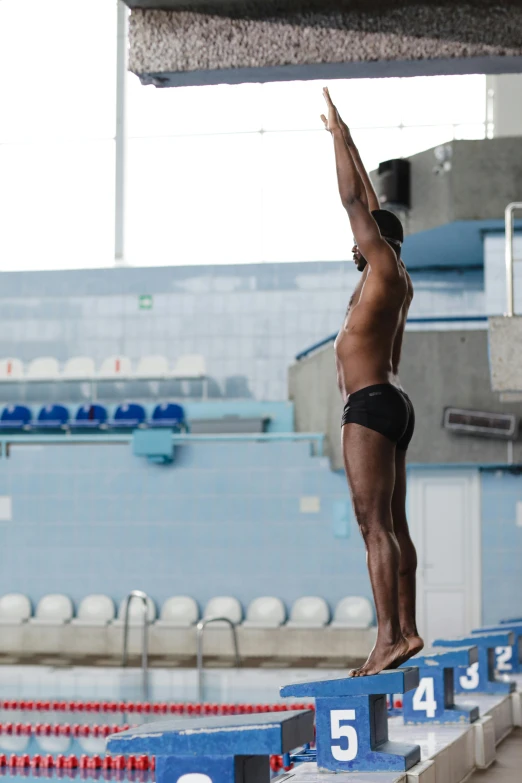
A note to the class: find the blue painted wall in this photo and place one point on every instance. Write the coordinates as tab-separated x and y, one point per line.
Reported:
223	519
249	320
501	545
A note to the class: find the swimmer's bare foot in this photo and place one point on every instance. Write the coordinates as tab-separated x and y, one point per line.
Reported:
415	643
384	656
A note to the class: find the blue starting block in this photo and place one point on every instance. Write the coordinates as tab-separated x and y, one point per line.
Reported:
508	660
433	700
480	676
351	721
231	749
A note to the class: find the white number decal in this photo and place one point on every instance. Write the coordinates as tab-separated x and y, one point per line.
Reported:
470	680
427	705
504	655
338	731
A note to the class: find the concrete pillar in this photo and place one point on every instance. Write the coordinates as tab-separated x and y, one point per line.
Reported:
504	105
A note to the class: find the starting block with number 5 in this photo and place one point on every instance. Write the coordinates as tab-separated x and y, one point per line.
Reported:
508	660
352	721
433	700
480	676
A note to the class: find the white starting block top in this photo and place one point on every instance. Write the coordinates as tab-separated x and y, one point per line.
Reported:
499	707
310	773
451	748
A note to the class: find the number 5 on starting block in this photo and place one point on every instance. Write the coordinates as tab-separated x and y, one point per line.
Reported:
351	719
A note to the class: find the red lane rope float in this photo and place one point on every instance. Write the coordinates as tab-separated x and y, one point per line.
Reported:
141	763
147	707
118	762
63	729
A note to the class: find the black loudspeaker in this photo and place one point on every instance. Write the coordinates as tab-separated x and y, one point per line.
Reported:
393	183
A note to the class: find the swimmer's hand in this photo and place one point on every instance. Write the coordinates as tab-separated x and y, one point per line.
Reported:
334	122
339	120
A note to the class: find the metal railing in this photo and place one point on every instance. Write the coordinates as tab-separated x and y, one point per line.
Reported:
143	597
200	628
510	230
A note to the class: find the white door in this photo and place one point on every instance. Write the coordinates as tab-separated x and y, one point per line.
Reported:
444	517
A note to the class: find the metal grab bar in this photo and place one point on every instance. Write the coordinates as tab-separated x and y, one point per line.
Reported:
510	209
143	597
199	648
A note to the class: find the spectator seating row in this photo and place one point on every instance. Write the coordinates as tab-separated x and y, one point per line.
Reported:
81	368
93	416
183	612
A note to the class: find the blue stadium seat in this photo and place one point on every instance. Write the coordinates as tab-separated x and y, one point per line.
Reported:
90	417
15	417
53	417
168	414
128	415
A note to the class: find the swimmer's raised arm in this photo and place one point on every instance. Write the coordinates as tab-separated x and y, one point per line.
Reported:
373	199
371	196
352	191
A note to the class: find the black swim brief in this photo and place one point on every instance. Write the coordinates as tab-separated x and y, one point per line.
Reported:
385	409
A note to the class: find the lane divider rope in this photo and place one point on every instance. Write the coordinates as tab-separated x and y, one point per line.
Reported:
188	708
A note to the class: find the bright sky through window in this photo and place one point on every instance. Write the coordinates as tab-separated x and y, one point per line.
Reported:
217	174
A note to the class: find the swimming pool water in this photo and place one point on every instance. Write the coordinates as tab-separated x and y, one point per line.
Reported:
254	686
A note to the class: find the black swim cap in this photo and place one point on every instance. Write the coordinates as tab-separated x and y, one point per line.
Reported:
389	224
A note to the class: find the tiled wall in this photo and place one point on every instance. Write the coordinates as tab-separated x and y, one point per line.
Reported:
249	321
244	519
501	545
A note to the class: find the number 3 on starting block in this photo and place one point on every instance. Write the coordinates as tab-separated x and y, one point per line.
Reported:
470	680
339	731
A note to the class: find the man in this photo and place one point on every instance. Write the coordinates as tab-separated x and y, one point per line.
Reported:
378	418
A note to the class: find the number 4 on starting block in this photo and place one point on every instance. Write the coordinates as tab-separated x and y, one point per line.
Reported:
351	720
433	700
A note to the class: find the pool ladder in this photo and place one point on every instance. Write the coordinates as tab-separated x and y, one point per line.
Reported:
200	628
144	598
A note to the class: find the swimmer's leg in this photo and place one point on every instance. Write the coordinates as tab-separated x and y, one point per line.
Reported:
408	559
369	459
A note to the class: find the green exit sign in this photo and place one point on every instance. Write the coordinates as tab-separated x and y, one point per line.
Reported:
145	302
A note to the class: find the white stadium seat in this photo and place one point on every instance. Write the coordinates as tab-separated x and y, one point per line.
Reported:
224	606
95	610
191	366
45	368
136	612
152	367
79	368
11	370
15	609
180	611
353	612
265	612
115	367
53	609
309	612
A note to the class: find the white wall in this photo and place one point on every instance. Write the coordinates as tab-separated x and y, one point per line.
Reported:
495	274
